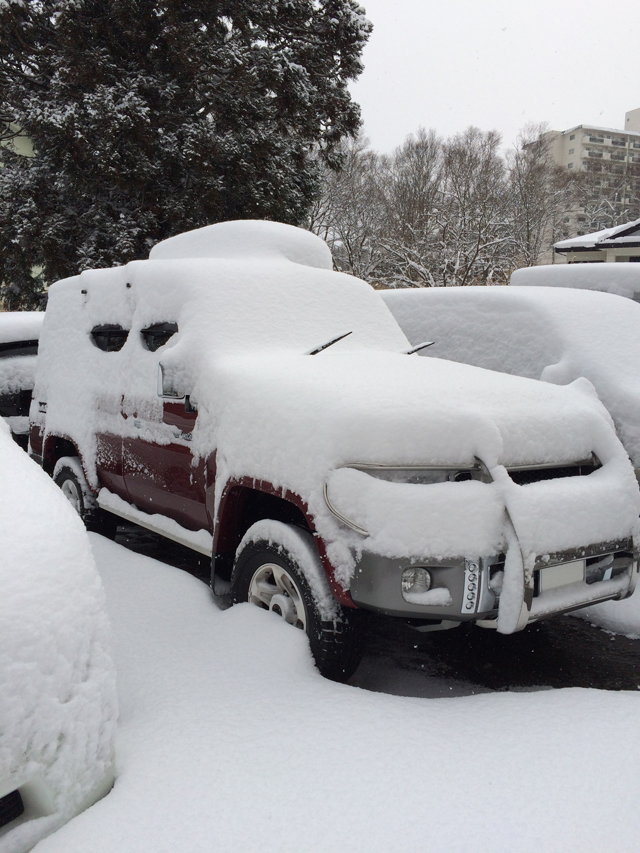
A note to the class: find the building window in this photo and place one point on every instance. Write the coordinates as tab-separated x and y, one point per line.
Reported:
571	150
570	166
573	136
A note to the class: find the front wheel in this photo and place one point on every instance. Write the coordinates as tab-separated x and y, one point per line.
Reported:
277	568
69	476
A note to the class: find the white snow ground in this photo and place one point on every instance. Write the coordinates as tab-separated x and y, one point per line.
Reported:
229	740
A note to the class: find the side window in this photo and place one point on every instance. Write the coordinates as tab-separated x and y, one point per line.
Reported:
156	336
110	337
18	348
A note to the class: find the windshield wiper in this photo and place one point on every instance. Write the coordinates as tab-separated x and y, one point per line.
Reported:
329	343
419	347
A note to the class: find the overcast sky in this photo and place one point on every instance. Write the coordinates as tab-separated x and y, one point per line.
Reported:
497	64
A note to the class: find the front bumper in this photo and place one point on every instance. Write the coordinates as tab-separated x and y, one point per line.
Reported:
559	583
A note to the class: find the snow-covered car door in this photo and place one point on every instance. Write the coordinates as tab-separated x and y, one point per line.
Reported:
159	470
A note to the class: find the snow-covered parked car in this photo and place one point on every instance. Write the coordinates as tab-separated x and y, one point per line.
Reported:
554	334
57	683
19	333
237	395
621	279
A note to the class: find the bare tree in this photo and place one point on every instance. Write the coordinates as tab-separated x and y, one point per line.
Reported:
540	193
349	211
442	213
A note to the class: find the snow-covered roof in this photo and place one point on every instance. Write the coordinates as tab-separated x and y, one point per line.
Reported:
608	238
247	239
20	325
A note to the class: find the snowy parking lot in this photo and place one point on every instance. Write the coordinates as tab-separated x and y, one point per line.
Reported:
230	740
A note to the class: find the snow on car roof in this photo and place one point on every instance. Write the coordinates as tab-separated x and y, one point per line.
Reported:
20	326
247	238
621	279
554	334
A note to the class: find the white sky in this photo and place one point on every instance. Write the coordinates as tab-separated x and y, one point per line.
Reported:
497	64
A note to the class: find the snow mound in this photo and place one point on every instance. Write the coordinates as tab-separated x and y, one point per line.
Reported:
58	702
247	239
20	325
620	279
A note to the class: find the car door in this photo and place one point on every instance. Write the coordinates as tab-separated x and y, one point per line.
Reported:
163	477
160	472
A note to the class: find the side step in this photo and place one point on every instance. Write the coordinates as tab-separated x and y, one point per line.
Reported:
198	540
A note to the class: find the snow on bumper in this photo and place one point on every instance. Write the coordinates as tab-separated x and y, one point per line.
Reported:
501	534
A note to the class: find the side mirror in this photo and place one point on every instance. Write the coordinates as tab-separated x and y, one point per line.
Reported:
166	385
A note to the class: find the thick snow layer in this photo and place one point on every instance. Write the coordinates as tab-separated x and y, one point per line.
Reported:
557	335
443	519
20	326
17	373
248	238
621	279
57	700
230	740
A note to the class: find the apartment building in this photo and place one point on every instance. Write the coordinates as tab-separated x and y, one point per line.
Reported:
612	158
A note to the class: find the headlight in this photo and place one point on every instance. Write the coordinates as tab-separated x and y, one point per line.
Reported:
416	579
421	475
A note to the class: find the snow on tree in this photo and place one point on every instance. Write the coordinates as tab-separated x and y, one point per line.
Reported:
152	117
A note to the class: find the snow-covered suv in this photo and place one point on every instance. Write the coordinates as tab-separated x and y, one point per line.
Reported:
237	395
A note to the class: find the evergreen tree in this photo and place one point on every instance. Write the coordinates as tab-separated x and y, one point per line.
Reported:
151	117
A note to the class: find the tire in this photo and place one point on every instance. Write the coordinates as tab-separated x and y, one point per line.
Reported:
69	477
270	573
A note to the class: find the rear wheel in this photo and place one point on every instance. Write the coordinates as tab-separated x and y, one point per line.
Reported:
68	475
282	573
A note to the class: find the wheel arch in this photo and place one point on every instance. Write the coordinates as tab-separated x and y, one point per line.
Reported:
243	503
54	448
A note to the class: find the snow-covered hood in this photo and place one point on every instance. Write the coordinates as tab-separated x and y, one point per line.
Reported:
293	413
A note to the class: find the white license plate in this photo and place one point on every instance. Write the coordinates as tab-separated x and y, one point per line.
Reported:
562	575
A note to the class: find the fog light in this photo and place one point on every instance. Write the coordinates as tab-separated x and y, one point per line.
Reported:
416	580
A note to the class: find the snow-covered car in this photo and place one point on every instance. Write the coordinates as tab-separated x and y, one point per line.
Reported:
237	395
19	333
554	334
621	279
57	696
